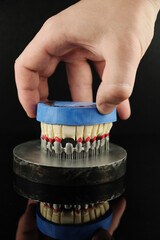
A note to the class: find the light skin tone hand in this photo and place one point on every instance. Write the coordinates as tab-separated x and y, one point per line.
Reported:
114	35
27	227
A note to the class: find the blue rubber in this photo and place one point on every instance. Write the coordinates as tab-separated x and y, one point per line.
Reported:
72	113
71	232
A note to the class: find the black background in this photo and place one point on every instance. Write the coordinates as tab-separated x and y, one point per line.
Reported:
19	22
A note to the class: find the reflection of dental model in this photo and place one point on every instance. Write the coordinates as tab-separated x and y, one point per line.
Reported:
88	138
73	214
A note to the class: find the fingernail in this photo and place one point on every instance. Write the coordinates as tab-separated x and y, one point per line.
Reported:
106	108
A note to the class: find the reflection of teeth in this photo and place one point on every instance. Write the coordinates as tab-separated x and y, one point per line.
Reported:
56	214
49	212
92	212
85	214
102	208
73	214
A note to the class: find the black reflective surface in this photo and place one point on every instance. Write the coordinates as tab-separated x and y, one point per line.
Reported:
141	218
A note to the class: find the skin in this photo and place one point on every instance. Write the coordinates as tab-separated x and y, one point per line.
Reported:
114	35
27	227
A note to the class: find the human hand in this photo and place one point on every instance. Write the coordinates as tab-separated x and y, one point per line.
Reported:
27	227
114	35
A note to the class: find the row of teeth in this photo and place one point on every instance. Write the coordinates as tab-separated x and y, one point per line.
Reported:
90	140
78	133
73	214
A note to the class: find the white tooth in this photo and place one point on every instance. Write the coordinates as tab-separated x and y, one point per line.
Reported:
67	206
50	131
94	131
77	216
106	206
100	130
97	211
41	207
87	131
79	132
44	212
110	126
85	215
67	217
56	214
68	132
57	131
102	208
42	128
92	212
49	212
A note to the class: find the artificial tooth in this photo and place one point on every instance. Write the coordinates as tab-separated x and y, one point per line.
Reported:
97	211
78	217
85	214
106	205
78	147
92	212
79	132
50	132
87	132
44	212
67	217
42	128
57	131
100	130
67	206
56	214
109	127
94	131
49	212
102	208
41	207
68	132
57	147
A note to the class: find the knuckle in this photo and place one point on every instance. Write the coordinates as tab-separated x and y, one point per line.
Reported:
121	92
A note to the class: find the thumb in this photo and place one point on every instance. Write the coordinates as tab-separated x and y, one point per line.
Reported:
117	79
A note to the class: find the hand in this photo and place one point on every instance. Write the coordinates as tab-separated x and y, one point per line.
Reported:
27	227
114	35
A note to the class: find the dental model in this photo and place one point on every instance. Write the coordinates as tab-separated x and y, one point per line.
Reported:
73	140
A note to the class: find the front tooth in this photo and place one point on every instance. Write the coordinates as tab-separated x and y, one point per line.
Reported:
44	212
42	128
92	212
50	131
79	132
41	207
49	212
97	211
69	148
109	127
67	217
94	131
87	131
56	214
68	132
77	214
100	130
85	215
102	208
106	206
57	131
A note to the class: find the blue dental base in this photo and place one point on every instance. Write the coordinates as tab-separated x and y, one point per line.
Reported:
71	232
72	113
